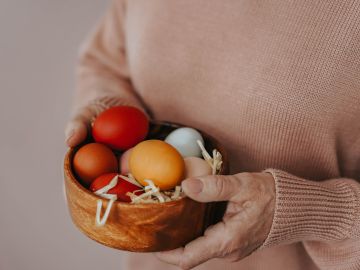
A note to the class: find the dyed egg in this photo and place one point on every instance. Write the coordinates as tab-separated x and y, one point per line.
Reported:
93	160
120	127
195	167
185	141
157	161
124	162
119	190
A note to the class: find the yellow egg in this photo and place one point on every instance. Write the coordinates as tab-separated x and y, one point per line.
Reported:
157	161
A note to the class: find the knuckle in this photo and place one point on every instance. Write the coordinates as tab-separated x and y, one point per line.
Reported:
225	245
225	187
219	187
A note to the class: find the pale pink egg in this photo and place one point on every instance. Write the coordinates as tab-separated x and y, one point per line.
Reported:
124	162
195	167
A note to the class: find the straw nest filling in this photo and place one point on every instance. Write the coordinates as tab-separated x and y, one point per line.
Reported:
150	193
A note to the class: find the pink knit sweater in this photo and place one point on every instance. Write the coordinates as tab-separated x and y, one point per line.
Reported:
278	82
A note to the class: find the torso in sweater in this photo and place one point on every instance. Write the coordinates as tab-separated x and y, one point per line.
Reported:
277	82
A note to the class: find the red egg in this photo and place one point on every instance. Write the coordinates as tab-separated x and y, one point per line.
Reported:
120	189
120	127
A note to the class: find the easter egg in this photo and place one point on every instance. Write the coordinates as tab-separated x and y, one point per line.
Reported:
185	141
122	187
93	160
120	127
195	167
124	162
157	161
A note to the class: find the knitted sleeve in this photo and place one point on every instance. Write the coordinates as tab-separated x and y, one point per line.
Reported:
102	70
324	216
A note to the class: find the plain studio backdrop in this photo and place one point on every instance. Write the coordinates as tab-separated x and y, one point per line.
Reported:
39	41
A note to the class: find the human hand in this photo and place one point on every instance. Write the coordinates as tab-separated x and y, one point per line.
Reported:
245	225
79	126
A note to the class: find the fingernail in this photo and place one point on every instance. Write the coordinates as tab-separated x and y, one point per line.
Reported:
193	185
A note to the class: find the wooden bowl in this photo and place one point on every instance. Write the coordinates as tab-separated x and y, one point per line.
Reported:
143	227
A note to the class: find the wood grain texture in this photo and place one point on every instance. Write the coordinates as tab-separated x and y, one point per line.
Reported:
142	227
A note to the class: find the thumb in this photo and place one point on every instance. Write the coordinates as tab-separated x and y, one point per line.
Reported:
77	129
75	132
211	188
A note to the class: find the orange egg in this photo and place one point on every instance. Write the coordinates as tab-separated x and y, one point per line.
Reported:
93	160
157	161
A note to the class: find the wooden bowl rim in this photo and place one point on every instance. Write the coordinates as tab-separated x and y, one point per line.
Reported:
71	177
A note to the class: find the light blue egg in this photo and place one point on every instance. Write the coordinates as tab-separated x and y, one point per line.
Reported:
185	141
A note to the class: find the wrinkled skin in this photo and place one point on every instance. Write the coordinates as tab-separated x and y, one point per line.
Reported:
245	225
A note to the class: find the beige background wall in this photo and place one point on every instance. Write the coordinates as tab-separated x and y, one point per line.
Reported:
38	47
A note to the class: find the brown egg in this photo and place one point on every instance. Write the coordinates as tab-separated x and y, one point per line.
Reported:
195	167
93	160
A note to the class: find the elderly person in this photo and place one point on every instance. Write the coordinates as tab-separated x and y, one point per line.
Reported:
278	83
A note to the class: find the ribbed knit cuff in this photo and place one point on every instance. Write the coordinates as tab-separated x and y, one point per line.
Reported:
307	210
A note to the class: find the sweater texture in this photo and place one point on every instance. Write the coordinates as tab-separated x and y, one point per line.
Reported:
277	82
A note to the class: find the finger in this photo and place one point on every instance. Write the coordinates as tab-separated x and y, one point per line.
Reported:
198	251
171	257
75	132
77	129
211	188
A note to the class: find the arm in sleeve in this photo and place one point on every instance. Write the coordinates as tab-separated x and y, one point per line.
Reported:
102	71
324	216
